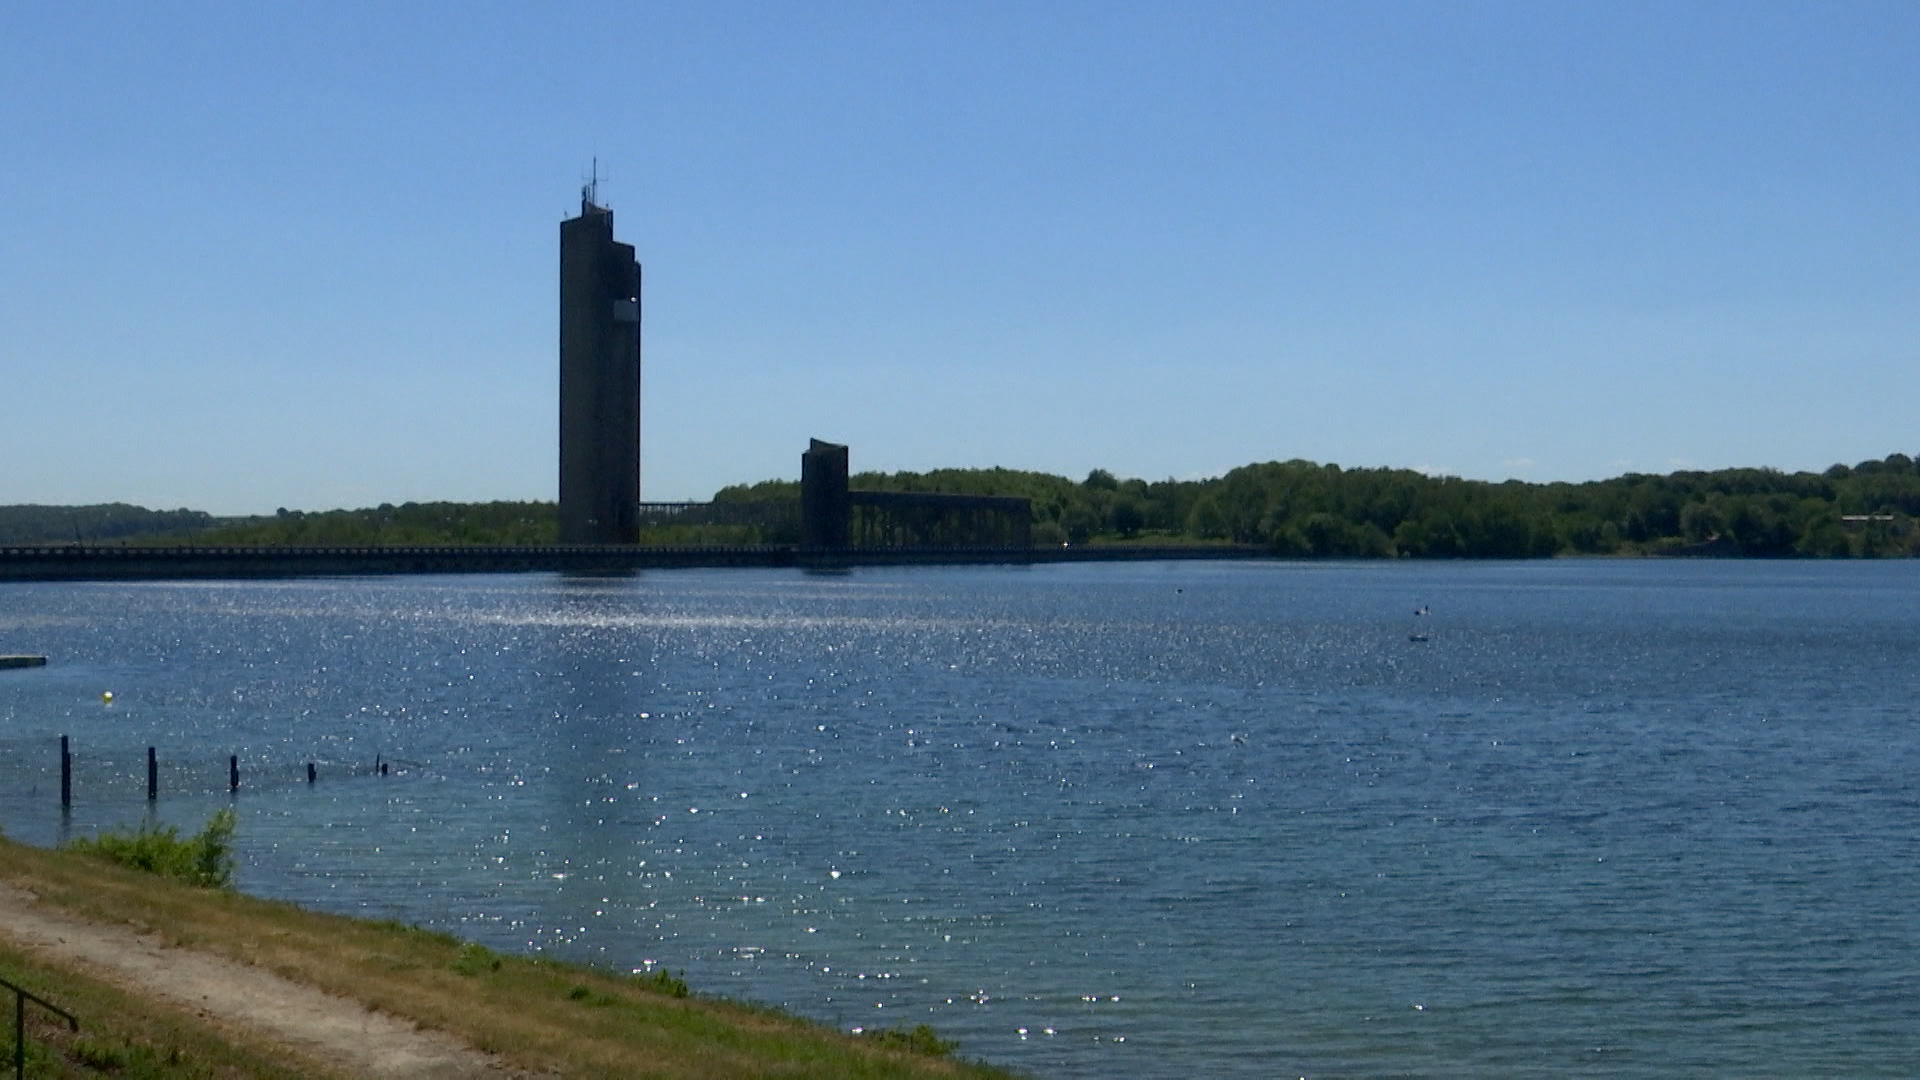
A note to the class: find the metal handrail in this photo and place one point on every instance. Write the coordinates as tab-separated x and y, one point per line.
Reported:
20	998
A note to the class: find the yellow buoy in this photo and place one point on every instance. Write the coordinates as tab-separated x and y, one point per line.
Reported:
106	698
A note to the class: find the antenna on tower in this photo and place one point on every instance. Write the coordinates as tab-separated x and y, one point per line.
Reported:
590	191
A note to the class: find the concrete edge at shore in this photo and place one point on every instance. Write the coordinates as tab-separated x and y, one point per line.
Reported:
130	563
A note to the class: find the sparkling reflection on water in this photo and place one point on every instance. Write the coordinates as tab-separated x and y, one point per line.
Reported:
1611	818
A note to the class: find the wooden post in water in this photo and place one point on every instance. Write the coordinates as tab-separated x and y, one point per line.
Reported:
153	776
310	775
233	772
66	775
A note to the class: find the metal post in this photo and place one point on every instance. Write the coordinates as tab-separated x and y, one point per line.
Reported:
66	775
20	998
153	776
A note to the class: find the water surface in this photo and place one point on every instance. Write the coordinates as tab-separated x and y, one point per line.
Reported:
1612	818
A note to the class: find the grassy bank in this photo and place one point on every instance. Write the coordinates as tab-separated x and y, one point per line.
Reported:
537	1015
125	1035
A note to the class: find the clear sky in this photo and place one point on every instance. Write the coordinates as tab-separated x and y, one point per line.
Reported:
305	255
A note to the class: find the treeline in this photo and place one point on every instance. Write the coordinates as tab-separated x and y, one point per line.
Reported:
94	524
1299	508
1296	509
1304	509
387	524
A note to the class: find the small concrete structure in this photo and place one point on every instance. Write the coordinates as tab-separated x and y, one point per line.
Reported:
825	509
833	517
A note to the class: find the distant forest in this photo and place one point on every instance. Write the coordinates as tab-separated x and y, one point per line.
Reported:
1296	509
93	524
1302	509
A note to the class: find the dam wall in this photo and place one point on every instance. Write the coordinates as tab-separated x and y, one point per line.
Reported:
126	562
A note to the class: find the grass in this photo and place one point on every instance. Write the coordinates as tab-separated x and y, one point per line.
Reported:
1159	538
537	1014
127	1036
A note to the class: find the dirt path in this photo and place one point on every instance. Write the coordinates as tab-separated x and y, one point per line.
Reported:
340	1033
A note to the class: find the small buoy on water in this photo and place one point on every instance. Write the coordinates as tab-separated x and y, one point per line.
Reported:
106	697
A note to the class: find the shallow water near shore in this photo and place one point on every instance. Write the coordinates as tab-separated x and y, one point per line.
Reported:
1610	818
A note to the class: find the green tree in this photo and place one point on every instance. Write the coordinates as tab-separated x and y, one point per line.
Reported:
1126	517
1205	519
1699	521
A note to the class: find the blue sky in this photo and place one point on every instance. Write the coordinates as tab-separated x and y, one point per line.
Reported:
264	255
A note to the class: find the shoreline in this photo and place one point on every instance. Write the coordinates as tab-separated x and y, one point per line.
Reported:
129	563
144	961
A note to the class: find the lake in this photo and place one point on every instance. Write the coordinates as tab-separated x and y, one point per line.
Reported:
1228	819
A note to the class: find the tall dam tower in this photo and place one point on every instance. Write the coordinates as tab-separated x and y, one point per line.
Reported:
599	379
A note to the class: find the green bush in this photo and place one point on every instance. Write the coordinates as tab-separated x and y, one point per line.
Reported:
919	1039
661	982
476	960
204	859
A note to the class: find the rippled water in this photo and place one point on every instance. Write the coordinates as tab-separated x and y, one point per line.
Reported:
1613	818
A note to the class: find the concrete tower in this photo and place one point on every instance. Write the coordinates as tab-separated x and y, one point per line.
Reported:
599	380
